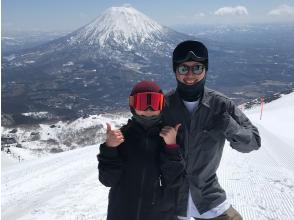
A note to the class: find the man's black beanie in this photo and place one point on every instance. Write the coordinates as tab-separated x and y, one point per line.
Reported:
183	50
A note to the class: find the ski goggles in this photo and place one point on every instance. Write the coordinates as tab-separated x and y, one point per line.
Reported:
195	69
184	56
145	100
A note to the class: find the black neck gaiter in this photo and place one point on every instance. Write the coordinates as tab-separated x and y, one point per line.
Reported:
191	93
147	122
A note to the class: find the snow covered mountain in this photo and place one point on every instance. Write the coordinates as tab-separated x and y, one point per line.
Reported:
12	41
123	25
93	69
117	31
81	72
65	185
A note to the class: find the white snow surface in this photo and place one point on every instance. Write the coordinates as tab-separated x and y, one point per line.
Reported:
260	185
61	132
124	25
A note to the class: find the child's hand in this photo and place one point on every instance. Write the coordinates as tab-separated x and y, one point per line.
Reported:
169	134
113	137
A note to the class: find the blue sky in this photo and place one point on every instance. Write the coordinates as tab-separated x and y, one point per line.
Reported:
71	14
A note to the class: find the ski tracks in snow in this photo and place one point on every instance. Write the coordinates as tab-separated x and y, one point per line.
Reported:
63	186
260	185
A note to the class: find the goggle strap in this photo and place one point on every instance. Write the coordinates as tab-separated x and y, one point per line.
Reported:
191	56
161	102
131	101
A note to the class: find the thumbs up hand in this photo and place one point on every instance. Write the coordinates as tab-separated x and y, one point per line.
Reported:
113	137
169	134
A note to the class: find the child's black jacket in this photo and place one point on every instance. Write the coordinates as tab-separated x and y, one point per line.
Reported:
143	175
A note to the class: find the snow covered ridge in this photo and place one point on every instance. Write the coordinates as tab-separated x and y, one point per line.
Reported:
124	25
266	99
36	114
62	136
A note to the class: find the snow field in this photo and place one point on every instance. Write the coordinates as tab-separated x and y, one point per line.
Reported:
260	185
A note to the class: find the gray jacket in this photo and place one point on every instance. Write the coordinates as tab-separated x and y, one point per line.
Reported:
202	137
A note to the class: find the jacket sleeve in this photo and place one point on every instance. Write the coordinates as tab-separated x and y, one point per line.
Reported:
240	132
109	165
172	166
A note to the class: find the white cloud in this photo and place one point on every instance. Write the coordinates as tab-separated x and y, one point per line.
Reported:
238	10
201	14
283	10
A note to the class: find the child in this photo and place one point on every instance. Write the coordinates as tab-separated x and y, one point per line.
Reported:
141	162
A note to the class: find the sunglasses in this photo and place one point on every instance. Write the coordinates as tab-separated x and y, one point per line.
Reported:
196	69
146	100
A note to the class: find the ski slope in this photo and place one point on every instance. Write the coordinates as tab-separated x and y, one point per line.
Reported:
260	185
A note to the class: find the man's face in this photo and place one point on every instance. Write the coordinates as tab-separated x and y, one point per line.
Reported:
190	78
147	113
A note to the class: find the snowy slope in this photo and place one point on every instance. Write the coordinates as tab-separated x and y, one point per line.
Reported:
61	186
62	135
64	186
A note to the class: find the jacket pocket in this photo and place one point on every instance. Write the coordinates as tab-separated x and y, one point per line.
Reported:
167	201
157	191
208	140
163	198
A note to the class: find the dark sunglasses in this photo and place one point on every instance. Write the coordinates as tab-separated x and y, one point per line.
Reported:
196	69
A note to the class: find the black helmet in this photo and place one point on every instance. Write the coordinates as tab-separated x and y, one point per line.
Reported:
190	51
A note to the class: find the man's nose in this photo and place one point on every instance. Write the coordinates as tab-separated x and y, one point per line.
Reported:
190	73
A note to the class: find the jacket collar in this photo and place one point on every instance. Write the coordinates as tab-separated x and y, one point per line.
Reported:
205	99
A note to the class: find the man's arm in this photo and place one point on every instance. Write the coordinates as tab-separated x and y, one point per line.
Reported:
240	132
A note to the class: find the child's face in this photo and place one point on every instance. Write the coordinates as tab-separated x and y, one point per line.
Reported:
147	113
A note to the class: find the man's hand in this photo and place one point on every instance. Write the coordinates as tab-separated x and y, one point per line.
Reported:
113	137
169	134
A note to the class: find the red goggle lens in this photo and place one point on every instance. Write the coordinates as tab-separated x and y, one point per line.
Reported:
142	101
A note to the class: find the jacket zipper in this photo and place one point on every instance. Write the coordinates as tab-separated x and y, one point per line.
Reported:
189	135
188	145
141	186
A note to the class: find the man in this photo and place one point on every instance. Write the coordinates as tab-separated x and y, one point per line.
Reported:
207	118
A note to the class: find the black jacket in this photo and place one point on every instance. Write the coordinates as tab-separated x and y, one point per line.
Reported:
202	137
143	175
